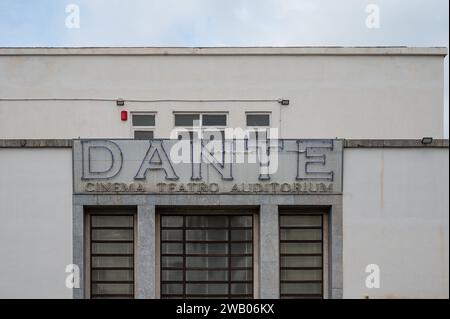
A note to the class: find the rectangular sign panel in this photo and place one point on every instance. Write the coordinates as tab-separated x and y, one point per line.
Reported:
208	167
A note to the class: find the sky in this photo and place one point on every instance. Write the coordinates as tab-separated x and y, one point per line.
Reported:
43	23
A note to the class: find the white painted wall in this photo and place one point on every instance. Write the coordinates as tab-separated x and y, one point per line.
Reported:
36	222
346	96
396	215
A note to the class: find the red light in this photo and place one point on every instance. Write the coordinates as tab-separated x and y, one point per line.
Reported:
124	116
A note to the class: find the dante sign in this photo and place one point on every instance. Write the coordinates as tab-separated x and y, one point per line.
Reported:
193	167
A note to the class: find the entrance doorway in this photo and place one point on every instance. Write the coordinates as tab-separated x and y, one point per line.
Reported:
207	255
302	254
111	253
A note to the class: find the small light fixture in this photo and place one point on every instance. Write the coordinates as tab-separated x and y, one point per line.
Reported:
124	116
427	140
283	101
120	102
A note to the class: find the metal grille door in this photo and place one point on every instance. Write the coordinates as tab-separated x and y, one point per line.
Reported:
206	256
301	256
112	256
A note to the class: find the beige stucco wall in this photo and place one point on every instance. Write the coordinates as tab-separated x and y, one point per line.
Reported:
36	222
396	215
333	93
395	201
395	211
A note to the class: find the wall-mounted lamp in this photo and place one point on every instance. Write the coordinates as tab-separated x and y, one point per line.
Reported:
427	140
283	101
120	102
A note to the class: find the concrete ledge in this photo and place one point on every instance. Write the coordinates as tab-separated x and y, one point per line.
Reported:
351	143
401	143
36	143
161	51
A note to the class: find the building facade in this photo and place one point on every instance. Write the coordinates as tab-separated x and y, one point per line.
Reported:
223	172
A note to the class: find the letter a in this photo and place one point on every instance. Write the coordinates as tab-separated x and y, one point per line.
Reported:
156	159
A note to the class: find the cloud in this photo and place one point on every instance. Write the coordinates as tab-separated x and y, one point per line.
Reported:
232	22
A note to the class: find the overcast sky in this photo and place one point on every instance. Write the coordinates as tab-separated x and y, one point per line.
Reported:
226	23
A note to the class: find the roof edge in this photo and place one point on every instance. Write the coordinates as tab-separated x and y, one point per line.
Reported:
426	51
